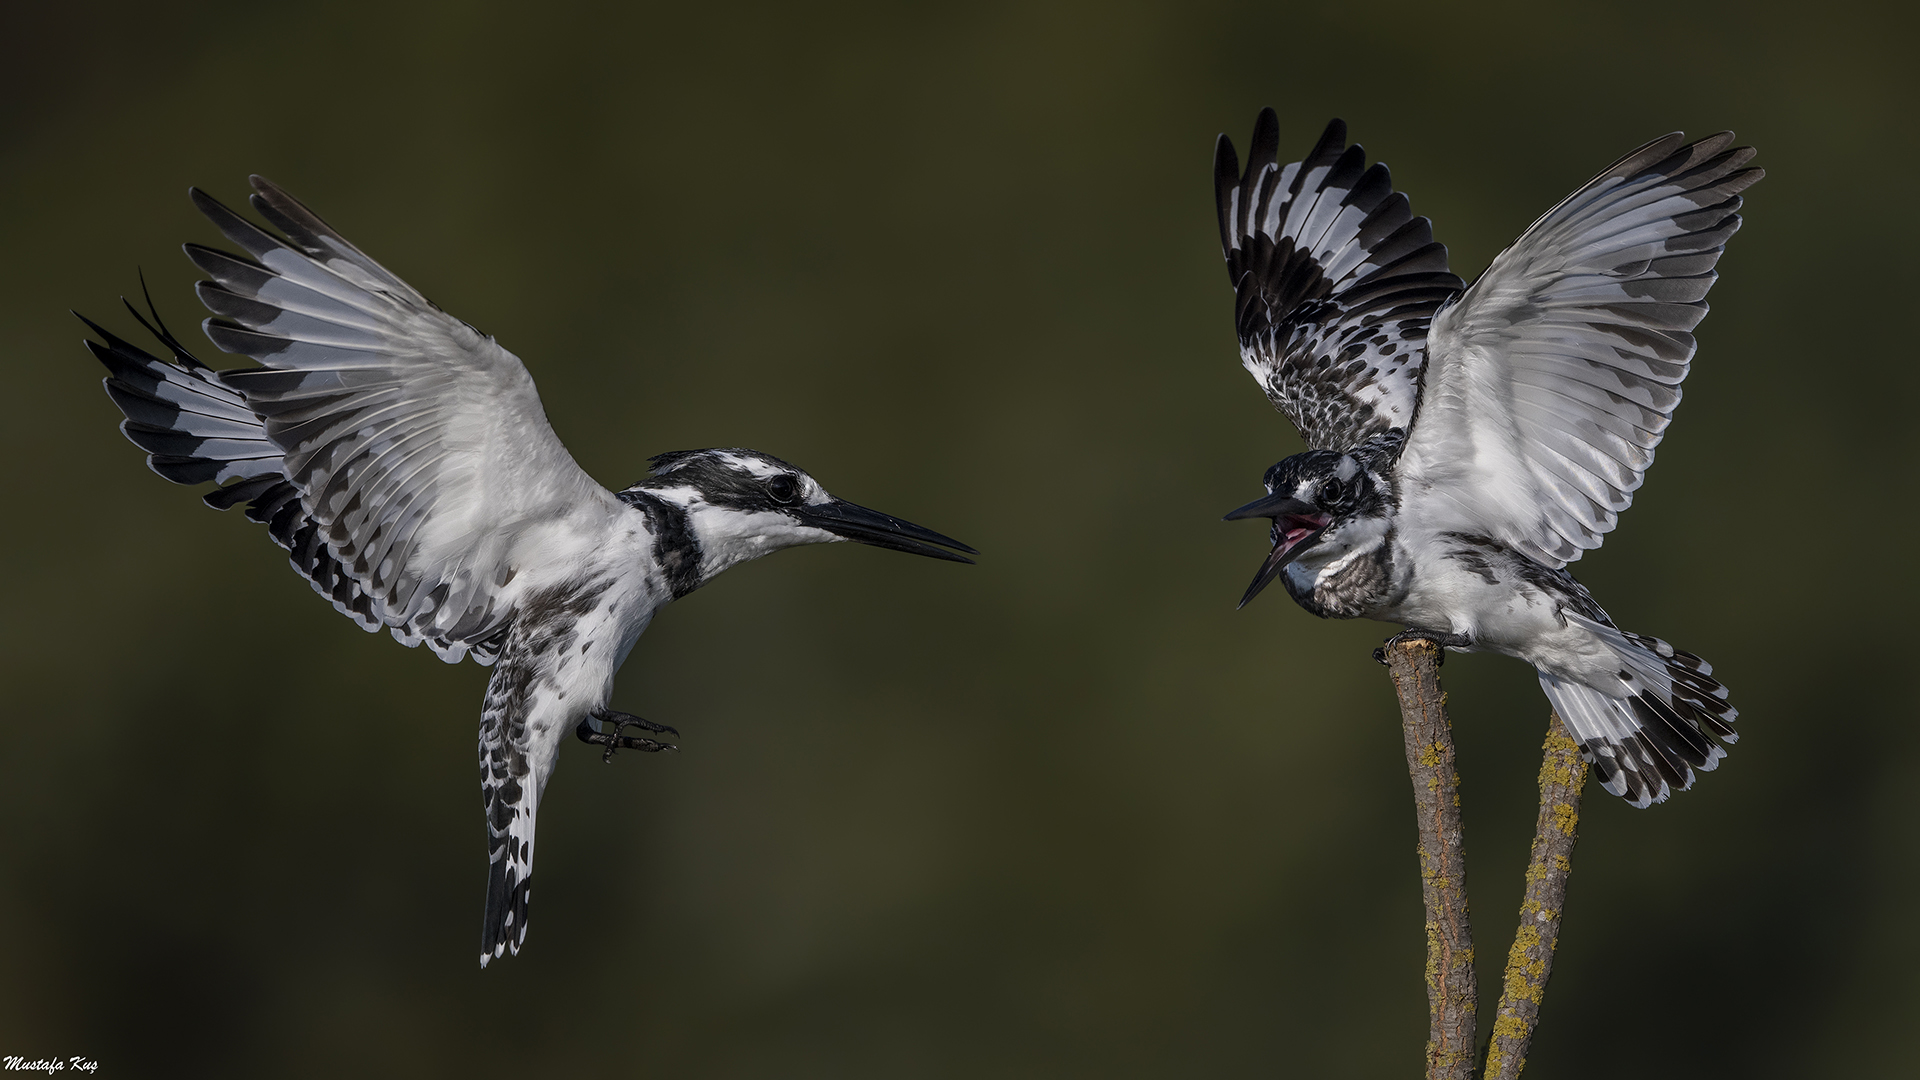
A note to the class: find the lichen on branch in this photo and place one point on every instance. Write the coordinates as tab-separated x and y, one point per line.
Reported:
1452	992
1530	960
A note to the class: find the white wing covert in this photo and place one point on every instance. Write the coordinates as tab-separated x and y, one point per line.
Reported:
1552	379
417	444
1334	283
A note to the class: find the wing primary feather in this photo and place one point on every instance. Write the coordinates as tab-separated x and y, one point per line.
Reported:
397	454
1582	331
1335	284
1226	183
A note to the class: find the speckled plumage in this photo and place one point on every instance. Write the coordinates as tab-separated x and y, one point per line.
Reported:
1335	282
1479	439
404	461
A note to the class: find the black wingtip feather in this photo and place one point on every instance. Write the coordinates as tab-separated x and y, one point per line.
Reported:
292	217
301	225
1371	189
209	206
1333	143
1265	147
1226	179
158	328
252	239
1347	169
1226	161
96	328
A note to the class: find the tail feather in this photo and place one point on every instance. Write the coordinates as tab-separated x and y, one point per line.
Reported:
1648	732
1685	683
503	927
511	779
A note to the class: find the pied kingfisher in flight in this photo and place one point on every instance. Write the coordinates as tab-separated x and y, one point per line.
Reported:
1468	443
404	461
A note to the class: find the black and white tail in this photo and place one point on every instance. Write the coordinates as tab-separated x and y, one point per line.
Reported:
510	792
1645	742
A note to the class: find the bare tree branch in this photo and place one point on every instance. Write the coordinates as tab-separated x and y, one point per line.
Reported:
1452	993
1530	961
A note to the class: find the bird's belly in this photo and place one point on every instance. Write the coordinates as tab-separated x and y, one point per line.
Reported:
604	638
568	642
1499	615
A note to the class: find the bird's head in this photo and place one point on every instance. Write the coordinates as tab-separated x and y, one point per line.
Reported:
742	504
1321	503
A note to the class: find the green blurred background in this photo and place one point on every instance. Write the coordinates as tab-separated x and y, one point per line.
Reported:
1065	813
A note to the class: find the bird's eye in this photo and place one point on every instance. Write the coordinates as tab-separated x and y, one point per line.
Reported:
782	488
1331	492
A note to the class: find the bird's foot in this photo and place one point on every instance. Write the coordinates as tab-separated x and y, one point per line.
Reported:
614	740
1441	641
630	720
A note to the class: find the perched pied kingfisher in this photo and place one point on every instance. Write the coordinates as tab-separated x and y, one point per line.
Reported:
404	461
1468	443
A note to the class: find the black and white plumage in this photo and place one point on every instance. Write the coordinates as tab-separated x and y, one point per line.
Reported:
1468	443
404	461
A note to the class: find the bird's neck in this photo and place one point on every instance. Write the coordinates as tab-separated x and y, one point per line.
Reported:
673	546
700	540
1348	573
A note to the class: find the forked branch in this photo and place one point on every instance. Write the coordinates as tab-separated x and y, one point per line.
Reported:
1452	992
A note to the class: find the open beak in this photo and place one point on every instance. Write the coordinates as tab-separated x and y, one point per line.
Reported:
845	519
1296	525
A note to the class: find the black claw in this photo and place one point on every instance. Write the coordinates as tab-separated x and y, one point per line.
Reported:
621	719
1441	641
614	740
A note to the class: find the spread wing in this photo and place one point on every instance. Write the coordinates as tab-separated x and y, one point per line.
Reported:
1334	284
195	429
417	445
1553	378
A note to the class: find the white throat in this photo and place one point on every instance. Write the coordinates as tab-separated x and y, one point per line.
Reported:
1336	550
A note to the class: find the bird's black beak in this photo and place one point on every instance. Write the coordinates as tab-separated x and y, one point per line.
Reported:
1296	525
843	518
